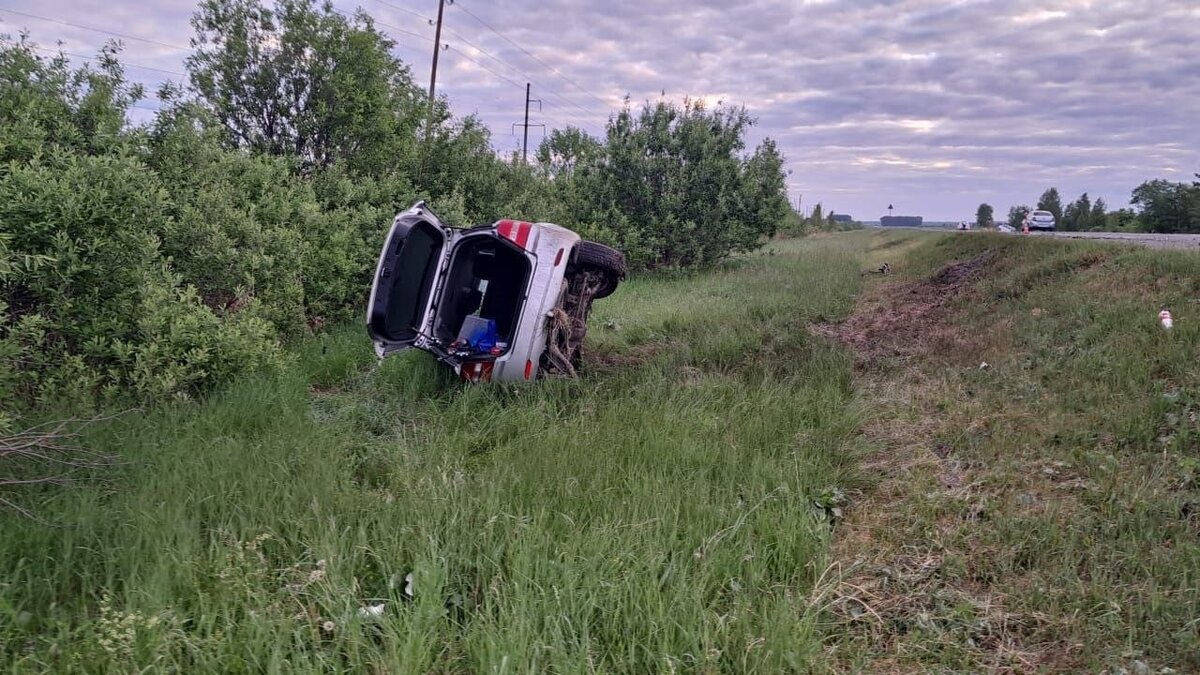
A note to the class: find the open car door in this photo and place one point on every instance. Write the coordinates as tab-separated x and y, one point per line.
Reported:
409	268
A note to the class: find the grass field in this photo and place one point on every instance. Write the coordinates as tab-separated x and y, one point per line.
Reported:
669	512
987	462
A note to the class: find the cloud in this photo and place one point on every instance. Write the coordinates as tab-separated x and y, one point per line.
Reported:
933	105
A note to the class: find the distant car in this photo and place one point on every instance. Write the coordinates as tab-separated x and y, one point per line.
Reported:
1040	220
1005	227
964	225
504	301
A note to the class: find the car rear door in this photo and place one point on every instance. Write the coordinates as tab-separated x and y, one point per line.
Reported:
410	267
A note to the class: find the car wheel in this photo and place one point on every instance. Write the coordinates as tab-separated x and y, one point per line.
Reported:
610	261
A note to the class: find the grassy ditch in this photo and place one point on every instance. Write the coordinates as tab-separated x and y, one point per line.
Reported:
671	511
1035	504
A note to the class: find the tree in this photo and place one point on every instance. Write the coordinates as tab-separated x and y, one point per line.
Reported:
1016	216
1052	202
817	217
1195	203
563	150
764	189
983	216
1099	215
1121	219
90	302
674	188
305	82
1077	215
1168	207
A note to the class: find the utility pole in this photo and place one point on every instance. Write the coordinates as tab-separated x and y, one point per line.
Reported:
525	126
437	47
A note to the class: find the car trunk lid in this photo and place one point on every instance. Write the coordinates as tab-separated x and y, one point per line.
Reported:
410	270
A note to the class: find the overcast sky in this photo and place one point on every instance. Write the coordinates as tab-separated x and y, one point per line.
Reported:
930	105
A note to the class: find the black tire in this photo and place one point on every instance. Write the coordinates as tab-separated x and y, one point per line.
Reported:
604	258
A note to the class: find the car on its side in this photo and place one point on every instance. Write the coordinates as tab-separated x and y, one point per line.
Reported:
505	301
1040	220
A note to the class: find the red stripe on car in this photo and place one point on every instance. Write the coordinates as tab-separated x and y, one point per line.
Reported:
515	230
522	237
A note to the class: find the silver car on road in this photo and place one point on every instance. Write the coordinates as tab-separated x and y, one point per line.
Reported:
1040	220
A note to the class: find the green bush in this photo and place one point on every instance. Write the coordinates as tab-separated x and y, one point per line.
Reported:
103	311
235	223
105	270
670	185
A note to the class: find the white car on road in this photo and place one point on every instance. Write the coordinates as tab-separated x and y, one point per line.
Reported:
1040	220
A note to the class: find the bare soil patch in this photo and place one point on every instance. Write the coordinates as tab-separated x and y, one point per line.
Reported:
908	318
604	360
902	587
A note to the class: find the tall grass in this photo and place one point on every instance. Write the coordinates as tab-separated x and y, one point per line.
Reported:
668	511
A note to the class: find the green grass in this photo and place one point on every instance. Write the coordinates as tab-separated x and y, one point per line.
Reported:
667	512
670	511
1046	510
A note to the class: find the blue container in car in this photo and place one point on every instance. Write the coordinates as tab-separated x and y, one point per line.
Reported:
478	332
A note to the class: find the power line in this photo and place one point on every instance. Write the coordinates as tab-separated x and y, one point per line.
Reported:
514	83
386	25
473	60
476	47
147	90
515	69
529	54
485	67
98	30
397	29
123	62
526	75
406	11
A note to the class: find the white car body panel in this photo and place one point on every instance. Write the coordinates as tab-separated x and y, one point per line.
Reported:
543	294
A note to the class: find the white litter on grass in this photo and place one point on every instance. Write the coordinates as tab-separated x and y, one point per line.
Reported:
985	365
1165	318
394	581
371	612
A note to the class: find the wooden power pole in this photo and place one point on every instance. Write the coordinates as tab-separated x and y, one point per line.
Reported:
437	47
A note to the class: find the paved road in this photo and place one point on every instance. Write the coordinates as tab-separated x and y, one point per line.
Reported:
1188	241
1184	241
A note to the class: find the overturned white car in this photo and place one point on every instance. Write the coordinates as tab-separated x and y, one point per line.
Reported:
505	301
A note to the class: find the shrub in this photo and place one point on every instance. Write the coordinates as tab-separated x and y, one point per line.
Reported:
670	185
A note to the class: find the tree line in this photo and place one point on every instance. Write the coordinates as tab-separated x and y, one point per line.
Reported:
1157	206
158	259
